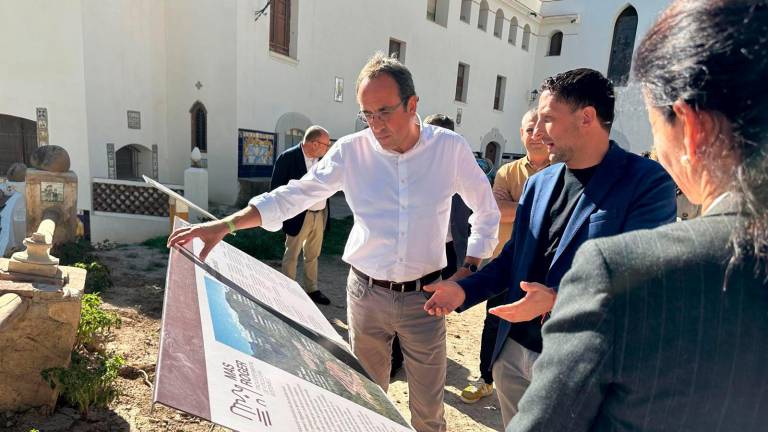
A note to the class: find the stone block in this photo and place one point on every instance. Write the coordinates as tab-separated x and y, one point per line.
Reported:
16	172
50	158
41	337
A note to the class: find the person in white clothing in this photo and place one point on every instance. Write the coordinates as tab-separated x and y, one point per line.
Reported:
398	177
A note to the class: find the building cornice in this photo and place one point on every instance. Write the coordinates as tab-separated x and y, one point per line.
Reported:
561	19
536	16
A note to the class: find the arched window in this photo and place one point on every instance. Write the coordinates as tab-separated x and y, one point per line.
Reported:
526	37
199	121
622	47
498	27
482	20
466	11
555	44
512	31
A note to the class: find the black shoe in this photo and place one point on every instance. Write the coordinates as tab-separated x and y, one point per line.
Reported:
319	298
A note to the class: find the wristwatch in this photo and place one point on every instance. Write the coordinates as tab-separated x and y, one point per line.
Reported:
470	267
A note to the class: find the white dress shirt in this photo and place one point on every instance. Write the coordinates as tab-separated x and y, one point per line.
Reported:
401	202
310	162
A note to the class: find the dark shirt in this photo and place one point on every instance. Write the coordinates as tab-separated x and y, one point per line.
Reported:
566	194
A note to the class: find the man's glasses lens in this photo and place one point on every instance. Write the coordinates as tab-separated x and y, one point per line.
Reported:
383	115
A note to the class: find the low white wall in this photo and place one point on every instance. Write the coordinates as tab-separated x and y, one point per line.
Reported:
127	228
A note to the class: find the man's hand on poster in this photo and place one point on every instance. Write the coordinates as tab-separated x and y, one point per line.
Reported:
538	300
447	296
210	233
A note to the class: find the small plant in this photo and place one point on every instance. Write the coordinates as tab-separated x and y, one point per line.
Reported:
106	245
95	323
157	243
88	381
79	251
97	279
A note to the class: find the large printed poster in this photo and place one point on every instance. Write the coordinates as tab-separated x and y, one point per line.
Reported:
256	153
244	347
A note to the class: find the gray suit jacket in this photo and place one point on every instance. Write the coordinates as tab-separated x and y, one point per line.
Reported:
646	335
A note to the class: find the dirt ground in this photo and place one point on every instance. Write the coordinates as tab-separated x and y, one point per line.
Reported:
139	275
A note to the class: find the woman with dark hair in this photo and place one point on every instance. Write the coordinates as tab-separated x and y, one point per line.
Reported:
667	329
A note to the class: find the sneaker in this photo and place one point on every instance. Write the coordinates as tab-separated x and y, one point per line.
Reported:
319	298
474	392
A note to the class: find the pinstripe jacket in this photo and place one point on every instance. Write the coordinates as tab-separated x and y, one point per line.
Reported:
648	334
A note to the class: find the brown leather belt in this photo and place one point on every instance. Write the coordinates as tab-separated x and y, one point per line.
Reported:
414	285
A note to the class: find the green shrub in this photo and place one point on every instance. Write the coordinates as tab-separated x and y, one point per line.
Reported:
265	245
88	381
157	243
95	323
259	243
79	251
335	238
97	279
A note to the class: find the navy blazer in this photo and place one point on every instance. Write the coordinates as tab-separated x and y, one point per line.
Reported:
290	165
627	192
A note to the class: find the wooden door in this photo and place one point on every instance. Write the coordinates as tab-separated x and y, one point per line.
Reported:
18	139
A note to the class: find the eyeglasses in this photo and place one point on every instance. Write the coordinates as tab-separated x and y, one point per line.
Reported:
382	115
328	144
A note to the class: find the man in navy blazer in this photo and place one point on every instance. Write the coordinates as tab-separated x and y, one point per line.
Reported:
304	232
597	190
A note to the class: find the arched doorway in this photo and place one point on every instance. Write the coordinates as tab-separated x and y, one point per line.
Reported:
18	139
132	161
288	127
493	152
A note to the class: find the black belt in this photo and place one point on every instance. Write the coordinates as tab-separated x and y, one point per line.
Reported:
414	285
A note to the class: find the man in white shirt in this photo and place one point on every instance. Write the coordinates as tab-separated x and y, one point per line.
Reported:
304	232
398	178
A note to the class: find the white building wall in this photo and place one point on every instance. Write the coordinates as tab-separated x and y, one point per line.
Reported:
588	44
124	70
271	85
90	61
201	46
42	46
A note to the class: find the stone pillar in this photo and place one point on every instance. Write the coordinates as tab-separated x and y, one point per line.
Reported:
38	329
52	191
196	186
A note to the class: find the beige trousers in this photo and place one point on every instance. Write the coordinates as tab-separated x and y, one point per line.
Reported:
374	315
512	374
310	241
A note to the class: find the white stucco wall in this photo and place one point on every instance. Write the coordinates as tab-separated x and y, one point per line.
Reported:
42	46
269	85
124	70
89	61
588	44
202	46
